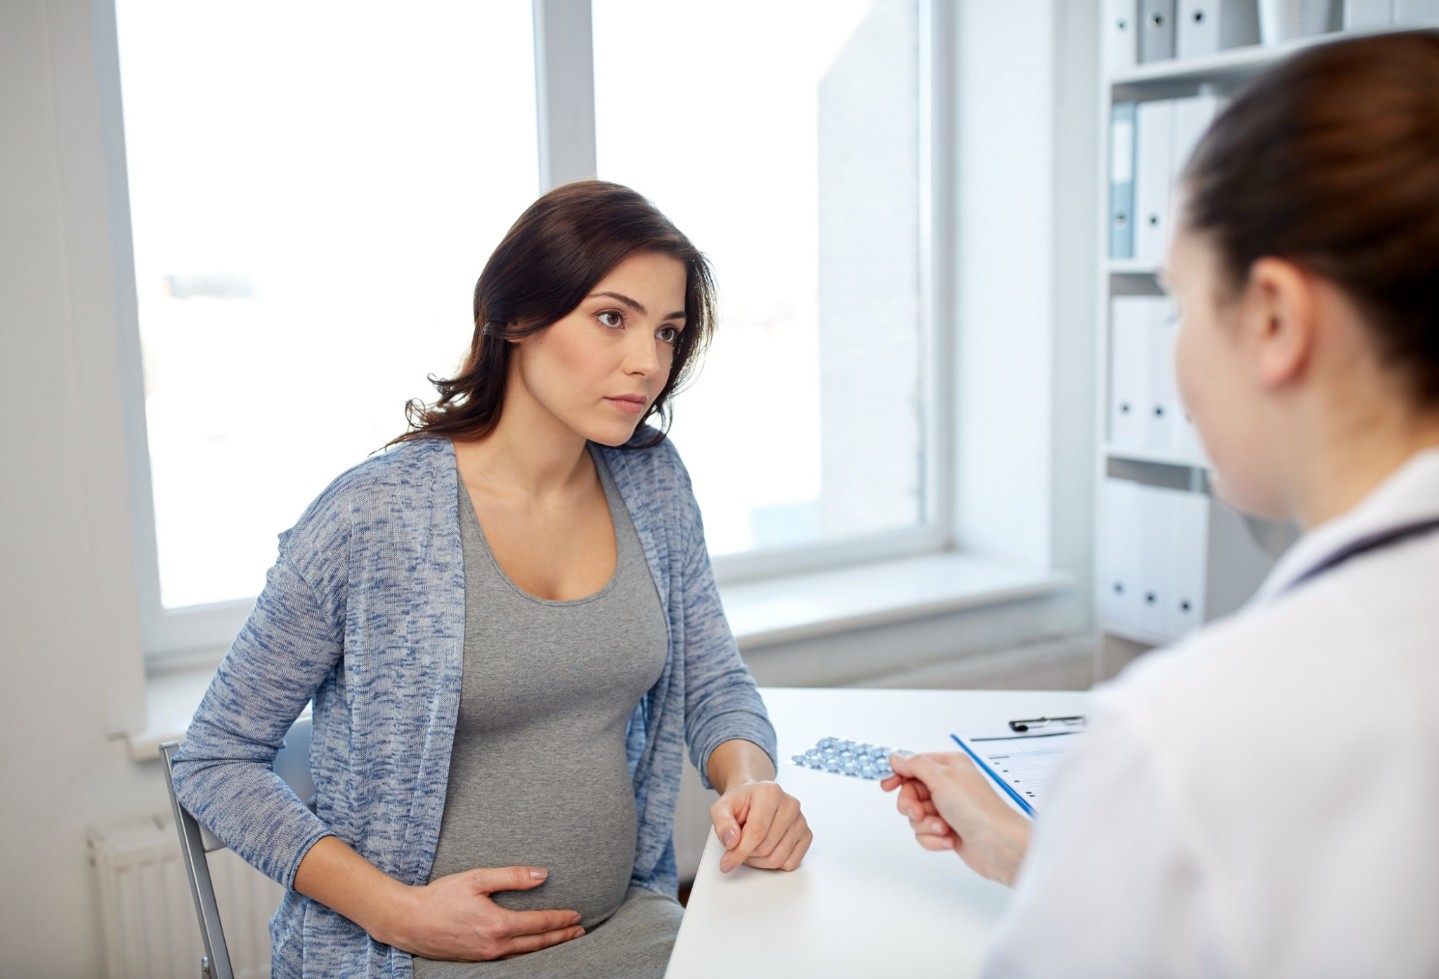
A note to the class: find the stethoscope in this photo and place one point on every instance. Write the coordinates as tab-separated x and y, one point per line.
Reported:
1365	545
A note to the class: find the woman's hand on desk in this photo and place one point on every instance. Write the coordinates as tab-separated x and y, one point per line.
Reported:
759	823
951	806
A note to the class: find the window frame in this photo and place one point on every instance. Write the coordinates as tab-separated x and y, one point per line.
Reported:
194	636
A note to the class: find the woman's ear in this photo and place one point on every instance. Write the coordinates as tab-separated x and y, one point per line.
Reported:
1279	320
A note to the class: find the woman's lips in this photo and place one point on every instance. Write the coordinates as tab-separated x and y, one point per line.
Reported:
629	403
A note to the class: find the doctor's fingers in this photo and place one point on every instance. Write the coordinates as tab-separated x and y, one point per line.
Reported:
914	800
947	840
952	780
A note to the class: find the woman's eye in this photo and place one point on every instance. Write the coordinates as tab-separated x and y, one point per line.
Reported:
611	318
668	334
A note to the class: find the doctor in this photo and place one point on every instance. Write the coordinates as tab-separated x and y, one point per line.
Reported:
1264	798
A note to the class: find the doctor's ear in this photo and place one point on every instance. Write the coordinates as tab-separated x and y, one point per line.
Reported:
1279	317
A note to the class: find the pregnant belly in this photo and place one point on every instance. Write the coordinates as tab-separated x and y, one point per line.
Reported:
577	824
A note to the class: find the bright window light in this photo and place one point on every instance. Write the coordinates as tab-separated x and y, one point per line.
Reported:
784	139
314	188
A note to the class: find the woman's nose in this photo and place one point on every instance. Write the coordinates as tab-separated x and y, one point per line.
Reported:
641	355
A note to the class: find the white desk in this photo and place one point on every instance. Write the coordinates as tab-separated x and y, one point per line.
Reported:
868	901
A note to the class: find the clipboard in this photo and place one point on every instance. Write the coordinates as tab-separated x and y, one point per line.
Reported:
1023	759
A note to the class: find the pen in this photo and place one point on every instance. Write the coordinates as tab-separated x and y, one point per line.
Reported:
1025	724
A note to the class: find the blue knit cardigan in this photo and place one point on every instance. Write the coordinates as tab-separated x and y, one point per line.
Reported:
363	612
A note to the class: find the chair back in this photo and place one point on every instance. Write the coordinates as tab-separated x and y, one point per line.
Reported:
292	763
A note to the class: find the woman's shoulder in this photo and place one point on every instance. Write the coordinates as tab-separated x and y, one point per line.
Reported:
404	467
369	491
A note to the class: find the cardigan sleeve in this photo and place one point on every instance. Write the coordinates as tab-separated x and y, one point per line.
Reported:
721	700
291	641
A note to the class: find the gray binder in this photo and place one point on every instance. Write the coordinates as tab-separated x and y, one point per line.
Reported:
1156	30
1209	26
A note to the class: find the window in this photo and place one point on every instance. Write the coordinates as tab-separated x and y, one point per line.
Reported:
787	145
313	188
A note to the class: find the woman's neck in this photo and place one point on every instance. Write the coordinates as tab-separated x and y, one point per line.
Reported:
526	461
1357	456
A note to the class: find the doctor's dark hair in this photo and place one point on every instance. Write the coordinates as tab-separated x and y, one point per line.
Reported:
549	260
1331	160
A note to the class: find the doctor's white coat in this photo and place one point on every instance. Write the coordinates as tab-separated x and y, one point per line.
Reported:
1262	800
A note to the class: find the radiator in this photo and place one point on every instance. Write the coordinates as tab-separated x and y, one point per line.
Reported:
147	916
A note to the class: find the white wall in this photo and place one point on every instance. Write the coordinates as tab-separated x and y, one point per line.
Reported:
68	630
66	588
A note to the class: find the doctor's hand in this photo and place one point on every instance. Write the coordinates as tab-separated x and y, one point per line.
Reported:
951	806
758	822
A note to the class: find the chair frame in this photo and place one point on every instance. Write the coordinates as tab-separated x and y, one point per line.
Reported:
216	962
196	841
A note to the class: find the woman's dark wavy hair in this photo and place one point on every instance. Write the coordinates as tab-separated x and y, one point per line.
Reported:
564	243
1331	160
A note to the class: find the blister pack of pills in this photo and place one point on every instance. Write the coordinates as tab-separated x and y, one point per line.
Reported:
848	758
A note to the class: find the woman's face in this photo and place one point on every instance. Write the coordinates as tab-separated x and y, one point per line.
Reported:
1216	368
597	370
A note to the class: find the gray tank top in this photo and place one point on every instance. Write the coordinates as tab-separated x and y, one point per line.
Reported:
538	775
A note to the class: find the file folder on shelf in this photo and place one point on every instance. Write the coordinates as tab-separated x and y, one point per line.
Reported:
1120	42
1121	180
1187	446
1171	560
1192	117
1156	30
1129	370
1153	174
1121	550
1187	522
1162	405
1416	11
1367	13
1209	26
1121	47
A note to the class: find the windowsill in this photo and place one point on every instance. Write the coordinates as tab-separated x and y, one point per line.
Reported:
824	603
762	614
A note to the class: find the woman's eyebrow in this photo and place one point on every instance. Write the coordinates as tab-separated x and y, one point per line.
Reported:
634	304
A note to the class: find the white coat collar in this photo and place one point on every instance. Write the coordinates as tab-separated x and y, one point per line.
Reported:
1410	495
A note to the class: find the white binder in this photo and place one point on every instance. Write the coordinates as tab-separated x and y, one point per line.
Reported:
1208	26
1156	30
1129	368
1367	13
1156	563
1192	116
1120	44
1120	550
1187	547
1416	11
1285	20
1186	437
1153	171
1162	407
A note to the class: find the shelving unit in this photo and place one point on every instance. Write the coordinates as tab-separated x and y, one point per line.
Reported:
1235	552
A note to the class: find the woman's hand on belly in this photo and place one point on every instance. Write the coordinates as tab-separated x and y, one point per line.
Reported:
453	918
